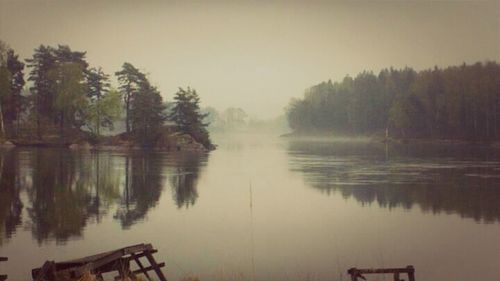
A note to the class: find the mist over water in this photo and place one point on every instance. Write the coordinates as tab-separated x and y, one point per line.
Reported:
259	207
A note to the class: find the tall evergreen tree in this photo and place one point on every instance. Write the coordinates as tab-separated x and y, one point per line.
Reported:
12	82
42	96
186	115
98	83
147	113
130	79
70	89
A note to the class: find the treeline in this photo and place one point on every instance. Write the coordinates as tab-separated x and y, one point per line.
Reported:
67	98
459	102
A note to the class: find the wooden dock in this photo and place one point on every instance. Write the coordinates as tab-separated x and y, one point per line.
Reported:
396	272
118	261
3	277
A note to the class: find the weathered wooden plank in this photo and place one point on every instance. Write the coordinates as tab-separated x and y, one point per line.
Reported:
358	272
124	251
382	270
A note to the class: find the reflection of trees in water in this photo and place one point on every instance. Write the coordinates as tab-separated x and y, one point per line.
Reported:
58	195
10	203
453	179
142	188
184	178
143	184
66	190
64	193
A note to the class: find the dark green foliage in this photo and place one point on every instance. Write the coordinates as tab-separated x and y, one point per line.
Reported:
58	77
146	113
130	79
13	103
98	90
42	97
186	115
456	103
11	85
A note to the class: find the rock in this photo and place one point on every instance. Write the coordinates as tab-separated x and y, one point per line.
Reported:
82	145
8	144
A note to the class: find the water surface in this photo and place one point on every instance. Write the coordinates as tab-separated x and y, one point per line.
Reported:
259	208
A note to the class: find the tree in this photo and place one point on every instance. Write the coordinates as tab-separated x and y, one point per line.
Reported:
146	113
103	112
70	92
455	102
48	69
98	83
11	84
14	105
130	79
5	89
186	115
41	95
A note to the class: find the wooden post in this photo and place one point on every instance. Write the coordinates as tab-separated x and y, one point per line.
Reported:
153	263
411	273
354	274
139	263
3	277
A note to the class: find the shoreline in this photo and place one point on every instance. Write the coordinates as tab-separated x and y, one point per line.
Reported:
377	139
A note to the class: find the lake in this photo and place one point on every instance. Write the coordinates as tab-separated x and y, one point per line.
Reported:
259	208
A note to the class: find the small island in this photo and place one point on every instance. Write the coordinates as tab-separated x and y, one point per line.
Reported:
70	104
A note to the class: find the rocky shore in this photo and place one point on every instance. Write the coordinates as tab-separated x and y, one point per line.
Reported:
166	141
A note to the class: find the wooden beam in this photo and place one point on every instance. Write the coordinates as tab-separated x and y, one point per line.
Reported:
153	263
139	271
358	272
382	270
139	263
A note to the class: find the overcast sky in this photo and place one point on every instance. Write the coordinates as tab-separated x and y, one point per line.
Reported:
256	55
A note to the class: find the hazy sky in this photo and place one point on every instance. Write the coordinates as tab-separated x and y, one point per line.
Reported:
256	54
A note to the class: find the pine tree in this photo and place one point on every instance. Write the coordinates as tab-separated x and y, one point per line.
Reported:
146	113
42	96
12	82
98	83
130	79
186	115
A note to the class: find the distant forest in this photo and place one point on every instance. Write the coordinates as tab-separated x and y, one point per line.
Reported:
459	102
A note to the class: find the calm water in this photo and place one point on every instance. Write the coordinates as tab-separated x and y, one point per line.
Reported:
259	208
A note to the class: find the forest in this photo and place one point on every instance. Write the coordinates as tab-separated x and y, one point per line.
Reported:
63	100
454	103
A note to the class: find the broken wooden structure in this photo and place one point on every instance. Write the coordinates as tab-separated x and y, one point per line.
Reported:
3	277
396	272
118	261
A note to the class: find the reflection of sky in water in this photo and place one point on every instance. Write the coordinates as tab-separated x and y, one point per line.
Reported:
378	207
